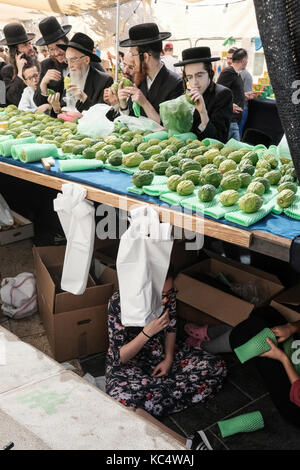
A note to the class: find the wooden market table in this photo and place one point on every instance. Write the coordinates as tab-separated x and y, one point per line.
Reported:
256	240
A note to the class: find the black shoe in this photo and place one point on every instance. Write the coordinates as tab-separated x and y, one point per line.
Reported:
198	442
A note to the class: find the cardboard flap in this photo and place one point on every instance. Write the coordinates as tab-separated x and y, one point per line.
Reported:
290	296
93	296
43	278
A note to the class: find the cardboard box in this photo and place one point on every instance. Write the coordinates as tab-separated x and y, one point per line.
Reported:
288	303
22	229
76	325
212	301
106	251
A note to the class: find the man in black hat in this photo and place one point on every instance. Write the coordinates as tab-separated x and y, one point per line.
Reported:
213	102
154	83
20	50
87	83
55	68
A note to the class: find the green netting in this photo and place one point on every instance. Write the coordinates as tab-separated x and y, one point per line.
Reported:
5	147
193	203
238	145
157	180
161	135
294	210
3	138
241	218
248	422
79	165
175	199
255	346
123	168
209	141
186	136
34	152
135	190
156	189
217	210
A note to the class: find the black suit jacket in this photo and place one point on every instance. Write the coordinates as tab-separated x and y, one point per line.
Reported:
95	84
167	85
14	87
218	102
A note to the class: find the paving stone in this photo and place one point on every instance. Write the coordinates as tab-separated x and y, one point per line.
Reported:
27	326
247	378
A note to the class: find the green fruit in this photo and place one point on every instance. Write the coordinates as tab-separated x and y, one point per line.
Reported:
78	149
152	142
173	182
166	153
189	99
285	168
285	198
218	160
185	188
192	175
256	187
174	160
260	172
263	164
269	157
145	155
113	140
99	145
154	149
195	144
211	154
143	146
211	176
264	181
252	156
127	147
108	149
173	170
157	158
187	166
132	159
161	167
115	158
287	185
142	178
50	92
245	179
225	151
89	153
183	161
227	165
126	82
114	87
286	178
147	165
206	193
217	145
236	156
231	182
250	169
250	203
273	176
201	159
228	197
173	148
192	153
101	155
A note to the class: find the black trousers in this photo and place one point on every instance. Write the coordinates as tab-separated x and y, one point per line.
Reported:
271	371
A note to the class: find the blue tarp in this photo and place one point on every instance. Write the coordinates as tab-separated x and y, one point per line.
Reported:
117	182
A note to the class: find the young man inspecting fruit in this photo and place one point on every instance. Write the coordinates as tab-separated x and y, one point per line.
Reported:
153	83
110	95
212	102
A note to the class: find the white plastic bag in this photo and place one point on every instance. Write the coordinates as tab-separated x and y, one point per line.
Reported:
77	217
6	218
142	265
95	123
283	148
18	296
134	123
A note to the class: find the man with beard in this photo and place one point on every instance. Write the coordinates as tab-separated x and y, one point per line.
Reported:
154	83
87	83
20	50
110	97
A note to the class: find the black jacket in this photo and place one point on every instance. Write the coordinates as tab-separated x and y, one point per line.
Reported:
95	84
167	85
14	87
231	79
218	102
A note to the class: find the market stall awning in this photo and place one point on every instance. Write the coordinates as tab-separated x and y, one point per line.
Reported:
63	7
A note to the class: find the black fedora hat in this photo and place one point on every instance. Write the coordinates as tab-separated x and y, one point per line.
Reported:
83	43
51	31
14	33
143	34
193	55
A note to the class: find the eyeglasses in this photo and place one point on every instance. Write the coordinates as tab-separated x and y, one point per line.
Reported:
130	67
35	76
74	60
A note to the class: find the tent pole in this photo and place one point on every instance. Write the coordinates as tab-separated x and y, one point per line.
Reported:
117	40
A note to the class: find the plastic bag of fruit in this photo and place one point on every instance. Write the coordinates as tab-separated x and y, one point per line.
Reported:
142	122
177	115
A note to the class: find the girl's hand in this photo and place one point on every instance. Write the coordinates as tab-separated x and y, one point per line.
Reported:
283	332
274	353
157	325
162	369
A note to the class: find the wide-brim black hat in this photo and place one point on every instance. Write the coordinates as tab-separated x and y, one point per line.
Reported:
143	34
193	55
51	31
14	34
83	43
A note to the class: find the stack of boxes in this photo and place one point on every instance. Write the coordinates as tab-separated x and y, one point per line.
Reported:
263	89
